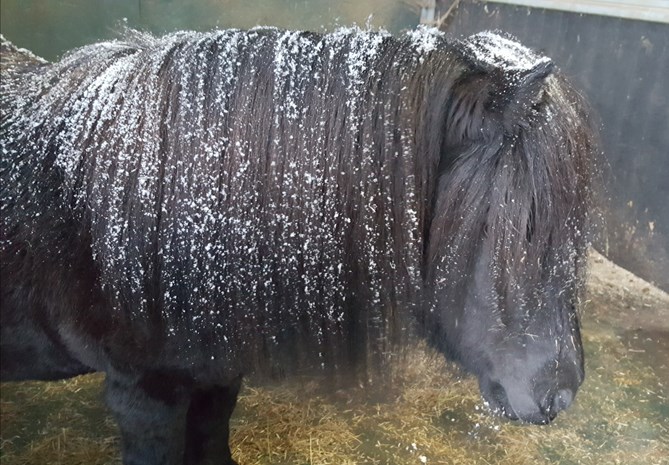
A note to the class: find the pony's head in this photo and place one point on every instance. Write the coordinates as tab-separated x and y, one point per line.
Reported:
507	241
520	335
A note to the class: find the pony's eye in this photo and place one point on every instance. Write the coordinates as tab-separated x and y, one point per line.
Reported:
531	222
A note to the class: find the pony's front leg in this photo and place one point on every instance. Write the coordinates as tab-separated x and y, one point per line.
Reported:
151	413
208	424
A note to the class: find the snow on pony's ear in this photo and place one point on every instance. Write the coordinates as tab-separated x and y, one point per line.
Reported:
500	98
504	85
522	90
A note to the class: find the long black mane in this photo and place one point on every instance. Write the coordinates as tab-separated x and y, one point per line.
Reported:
250	194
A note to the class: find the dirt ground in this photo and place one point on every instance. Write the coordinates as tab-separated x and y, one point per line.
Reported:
617	294
431	413
635	308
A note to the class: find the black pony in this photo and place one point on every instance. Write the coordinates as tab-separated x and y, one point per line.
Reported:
180	211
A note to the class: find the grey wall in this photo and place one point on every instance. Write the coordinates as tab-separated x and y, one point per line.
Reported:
623	68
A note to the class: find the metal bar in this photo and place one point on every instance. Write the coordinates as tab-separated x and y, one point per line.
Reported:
646	10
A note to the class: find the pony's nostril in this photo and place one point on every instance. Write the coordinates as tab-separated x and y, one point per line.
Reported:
562	400
557	403
499	395
554	404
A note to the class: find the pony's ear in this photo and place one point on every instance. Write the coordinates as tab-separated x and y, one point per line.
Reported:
522	91
496	100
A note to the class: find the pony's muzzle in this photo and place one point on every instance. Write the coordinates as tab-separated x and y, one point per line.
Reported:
516	402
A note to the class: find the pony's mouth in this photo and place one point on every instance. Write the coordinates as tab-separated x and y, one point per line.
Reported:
498	402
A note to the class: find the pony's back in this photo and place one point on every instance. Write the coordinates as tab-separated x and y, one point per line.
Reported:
254	194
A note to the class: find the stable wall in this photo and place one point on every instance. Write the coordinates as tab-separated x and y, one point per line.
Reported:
622	65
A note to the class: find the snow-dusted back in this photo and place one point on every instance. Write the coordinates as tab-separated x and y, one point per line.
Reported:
251	189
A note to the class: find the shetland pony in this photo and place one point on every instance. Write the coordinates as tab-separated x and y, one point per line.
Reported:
181	211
